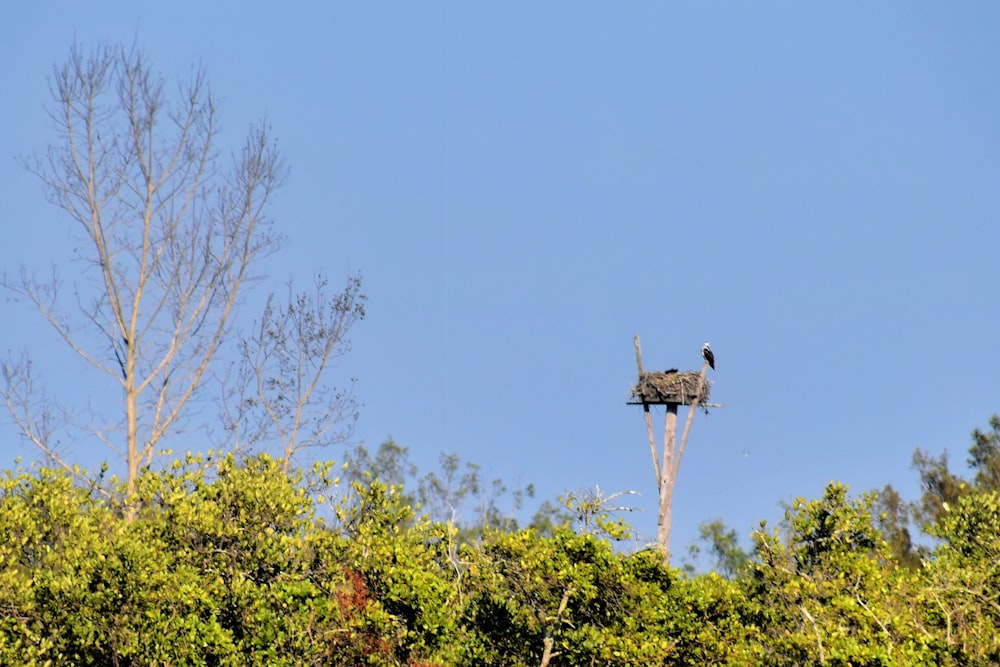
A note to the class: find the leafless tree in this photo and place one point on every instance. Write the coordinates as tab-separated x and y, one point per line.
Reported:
169	238
276	390
667	466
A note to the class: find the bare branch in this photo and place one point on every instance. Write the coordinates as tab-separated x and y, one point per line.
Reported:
280	380
687	427
167	237
36	416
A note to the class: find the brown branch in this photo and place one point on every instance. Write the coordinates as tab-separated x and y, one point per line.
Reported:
819	637
168	250
547	643
687	425
649	418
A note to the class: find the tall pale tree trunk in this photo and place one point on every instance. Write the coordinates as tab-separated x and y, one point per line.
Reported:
168	236
667	466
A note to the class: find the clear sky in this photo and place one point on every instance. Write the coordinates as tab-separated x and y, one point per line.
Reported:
813	187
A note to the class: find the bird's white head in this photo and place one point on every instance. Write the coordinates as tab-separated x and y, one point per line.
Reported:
706	346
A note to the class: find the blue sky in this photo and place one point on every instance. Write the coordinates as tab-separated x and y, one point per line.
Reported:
810	186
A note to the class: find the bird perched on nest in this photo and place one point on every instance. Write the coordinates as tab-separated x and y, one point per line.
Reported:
706	352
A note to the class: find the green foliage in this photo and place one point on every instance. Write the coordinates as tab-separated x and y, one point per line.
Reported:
943	489
456	493
723	545
391	464
548	517
404	567
238	562
572	592
961	603
227	569
984	456
894	517
597	514
227	563
822	594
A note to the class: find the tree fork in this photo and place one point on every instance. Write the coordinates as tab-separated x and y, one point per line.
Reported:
667	466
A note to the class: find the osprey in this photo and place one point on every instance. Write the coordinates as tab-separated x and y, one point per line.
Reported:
706	352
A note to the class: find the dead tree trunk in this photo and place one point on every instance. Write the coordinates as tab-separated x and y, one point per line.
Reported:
666	467
665	483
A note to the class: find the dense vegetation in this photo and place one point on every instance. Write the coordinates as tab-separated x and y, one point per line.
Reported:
237	562
242	560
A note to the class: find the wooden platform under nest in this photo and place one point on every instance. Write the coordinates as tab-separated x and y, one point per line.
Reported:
669	387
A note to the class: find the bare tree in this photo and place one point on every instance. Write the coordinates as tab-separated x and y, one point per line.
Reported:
168	238
666	468
277	391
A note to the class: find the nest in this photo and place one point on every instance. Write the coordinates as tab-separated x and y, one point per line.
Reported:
670	387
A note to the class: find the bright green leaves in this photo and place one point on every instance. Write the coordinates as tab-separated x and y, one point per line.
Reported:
971	530
225	564
960	605
571	592
232	562
823	593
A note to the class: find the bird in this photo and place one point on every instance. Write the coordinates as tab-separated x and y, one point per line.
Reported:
706	352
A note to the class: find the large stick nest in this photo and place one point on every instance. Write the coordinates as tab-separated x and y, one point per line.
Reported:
671	387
